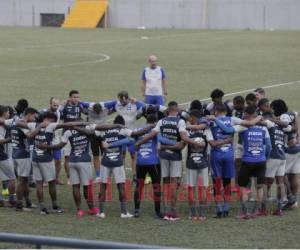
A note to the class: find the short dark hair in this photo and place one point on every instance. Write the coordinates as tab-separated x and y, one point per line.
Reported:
123	94
250	97
151	118
196	113
119	120
260	91
30	110
217	93
279	106
97	108
196	104
3	110
49	115
222	108
172	104
262	102
250	110
239	99
22	104
73	92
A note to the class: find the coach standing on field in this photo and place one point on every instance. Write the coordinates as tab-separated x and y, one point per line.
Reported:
154	86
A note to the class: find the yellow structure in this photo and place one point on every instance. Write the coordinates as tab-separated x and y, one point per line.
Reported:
86	14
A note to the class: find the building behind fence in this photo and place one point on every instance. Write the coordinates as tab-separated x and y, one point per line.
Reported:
192	14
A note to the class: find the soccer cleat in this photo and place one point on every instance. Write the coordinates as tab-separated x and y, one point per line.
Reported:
202	218
194	218
69	182
174	217
261	212
166	217
57	210
126	216
295	205
278	212
44	211
243	216
136	213
93	211
80	213
159	216
30	205
101	215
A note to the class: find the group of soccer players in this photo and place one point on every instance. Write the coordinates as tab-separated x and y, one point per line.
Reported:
198	141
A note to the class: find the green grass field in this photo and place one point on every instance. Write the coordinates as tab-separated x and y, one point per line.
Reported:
39	63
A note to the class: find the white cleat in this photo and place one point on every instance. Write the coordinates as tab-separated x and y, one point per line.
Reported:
101	215
295	205
127	215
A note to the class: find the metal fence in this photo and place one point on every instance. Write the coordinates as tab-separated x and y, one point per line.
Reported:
39	241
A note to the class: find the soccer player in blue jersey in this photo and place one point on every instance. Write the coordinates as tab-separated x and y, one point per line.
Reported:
148	163
222	158
292	150
256	149
80	167
21	154
72	111
174	128
54	107
42	161
154	83
113	162
275	168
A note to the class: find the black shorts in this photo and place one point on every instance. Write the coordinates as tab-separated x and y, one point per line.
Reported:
96	145
152	170
248	170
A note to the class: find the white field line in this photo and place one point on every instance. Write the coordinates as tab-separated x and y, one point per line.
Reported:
240	92
53	45
103	58
248	90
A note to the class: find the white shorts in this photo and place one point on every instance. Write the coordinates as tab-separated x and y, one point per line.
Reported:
292	163
197	177
22	166
7	170
170	168
238	152
67	149
43	171
275	167
117	172
81	173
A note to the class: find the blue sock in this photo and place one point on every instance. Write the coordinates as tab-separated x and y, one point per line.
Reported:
226	207
97	173
219	208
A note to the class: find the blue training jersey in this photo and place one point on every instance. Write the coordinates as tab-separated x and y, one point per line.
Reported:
254	144
147	152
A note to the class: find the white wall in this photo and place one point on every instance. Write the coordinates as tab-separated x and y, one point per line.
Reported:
211	14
